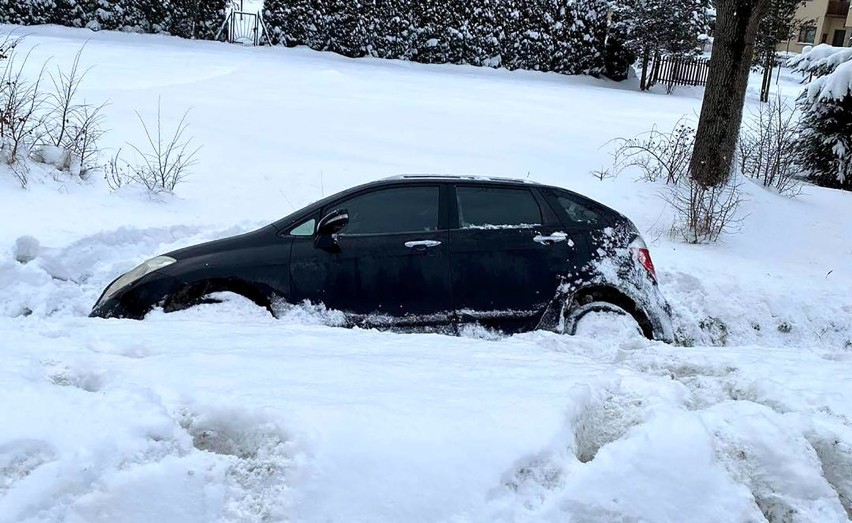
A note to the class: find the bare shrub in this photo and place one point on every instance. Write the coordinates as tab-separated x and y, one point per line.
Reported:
657	154
46	126
73	127
603	173
704	214
767	147
21	118
115	172
166	159
7	45
86	130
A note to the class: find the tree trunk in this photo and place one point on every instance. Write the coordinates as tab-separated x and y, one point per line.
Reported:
768	66
643	83
655	70
722	109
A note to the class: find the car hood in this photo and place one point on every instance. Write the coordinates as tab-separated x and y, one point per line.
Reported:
248	240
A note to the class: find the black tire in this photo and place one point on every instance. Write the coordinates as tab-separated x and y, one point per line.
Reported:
200	294
575	315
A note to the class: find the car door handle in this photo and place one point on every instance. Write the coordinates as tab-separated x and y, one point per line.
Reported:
422	244
550	239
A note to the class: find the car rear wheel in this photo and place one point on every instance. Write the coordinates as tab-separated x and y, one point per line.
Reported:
601	319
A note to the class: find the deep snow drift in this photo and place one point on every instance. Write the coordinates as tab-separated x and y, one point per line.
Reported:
223	413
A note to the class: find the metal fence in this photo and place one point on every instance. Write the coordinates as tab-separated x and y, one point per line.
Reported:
244	26
678	70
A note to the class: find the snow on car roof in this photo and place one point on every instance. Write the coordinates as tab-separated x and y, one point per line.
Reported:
460	178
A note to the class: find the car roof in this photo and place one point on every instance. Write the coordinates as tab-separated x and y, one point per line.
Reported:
403	179
457	178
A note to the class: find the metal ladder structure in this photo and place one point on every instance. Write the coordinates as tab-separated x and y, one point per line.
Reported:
244	27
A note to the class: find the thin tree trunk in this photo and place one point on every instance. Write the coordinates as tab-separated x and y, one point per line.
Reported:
768	66
722	109
655	70
643	83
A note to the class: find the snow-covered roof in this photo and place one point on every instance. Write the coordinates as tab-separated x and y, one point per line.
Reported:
459	177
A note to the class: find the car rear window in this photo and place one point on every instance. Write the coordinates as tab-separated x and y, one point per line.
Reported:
394	210
496	208
577	211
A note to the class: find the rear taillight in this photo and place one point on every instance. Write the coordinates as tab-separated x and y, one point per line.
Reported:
640	253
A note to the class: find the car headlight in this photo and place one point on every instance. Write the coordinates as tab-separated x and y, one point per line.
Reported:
142	270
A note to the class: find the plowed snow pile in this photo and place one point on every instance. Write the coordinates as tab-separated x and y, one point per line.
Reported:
223	413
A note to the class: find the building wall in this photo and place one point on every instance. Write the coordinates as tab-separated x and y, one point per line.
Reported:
832	24
814	10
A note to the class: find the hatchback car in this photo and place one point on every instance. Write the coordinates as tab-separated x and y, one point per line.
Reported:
423	251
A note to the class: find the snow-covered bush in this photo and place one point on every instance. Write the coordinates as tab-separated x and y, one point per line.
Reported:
42	119
72	128
21	101
143	16
342	30
825	145
435	37
767	147
390	30
291	22
482	31
545	35
185	18
196	19
13	11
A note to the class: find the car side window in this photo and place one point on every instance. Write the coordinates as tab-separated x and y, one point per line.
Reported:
393	210
577	212
497	208
306	228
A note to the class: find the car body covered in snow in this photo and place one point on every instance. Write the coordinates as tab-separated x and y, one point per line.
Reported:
422	251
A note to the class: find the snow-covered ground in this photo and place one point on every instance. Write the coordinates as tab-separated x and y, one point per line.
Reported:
223	413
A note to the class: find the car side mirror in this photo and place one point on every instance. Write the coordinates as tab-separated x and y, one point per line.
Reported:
333	222
327	229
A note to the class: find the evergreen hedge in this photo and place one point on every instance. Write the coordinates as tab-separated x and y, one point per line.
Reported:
564	36
186	18
544	35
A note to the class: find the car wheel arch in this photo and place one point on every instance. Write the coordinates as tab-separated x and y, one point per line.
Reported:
190	293
610	295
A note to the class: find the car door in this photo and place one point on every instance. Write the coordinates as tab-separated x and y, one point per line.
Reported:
391	264
508	252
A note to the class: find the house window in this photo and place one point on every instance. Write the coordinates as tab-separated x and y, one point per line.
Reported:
807	35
